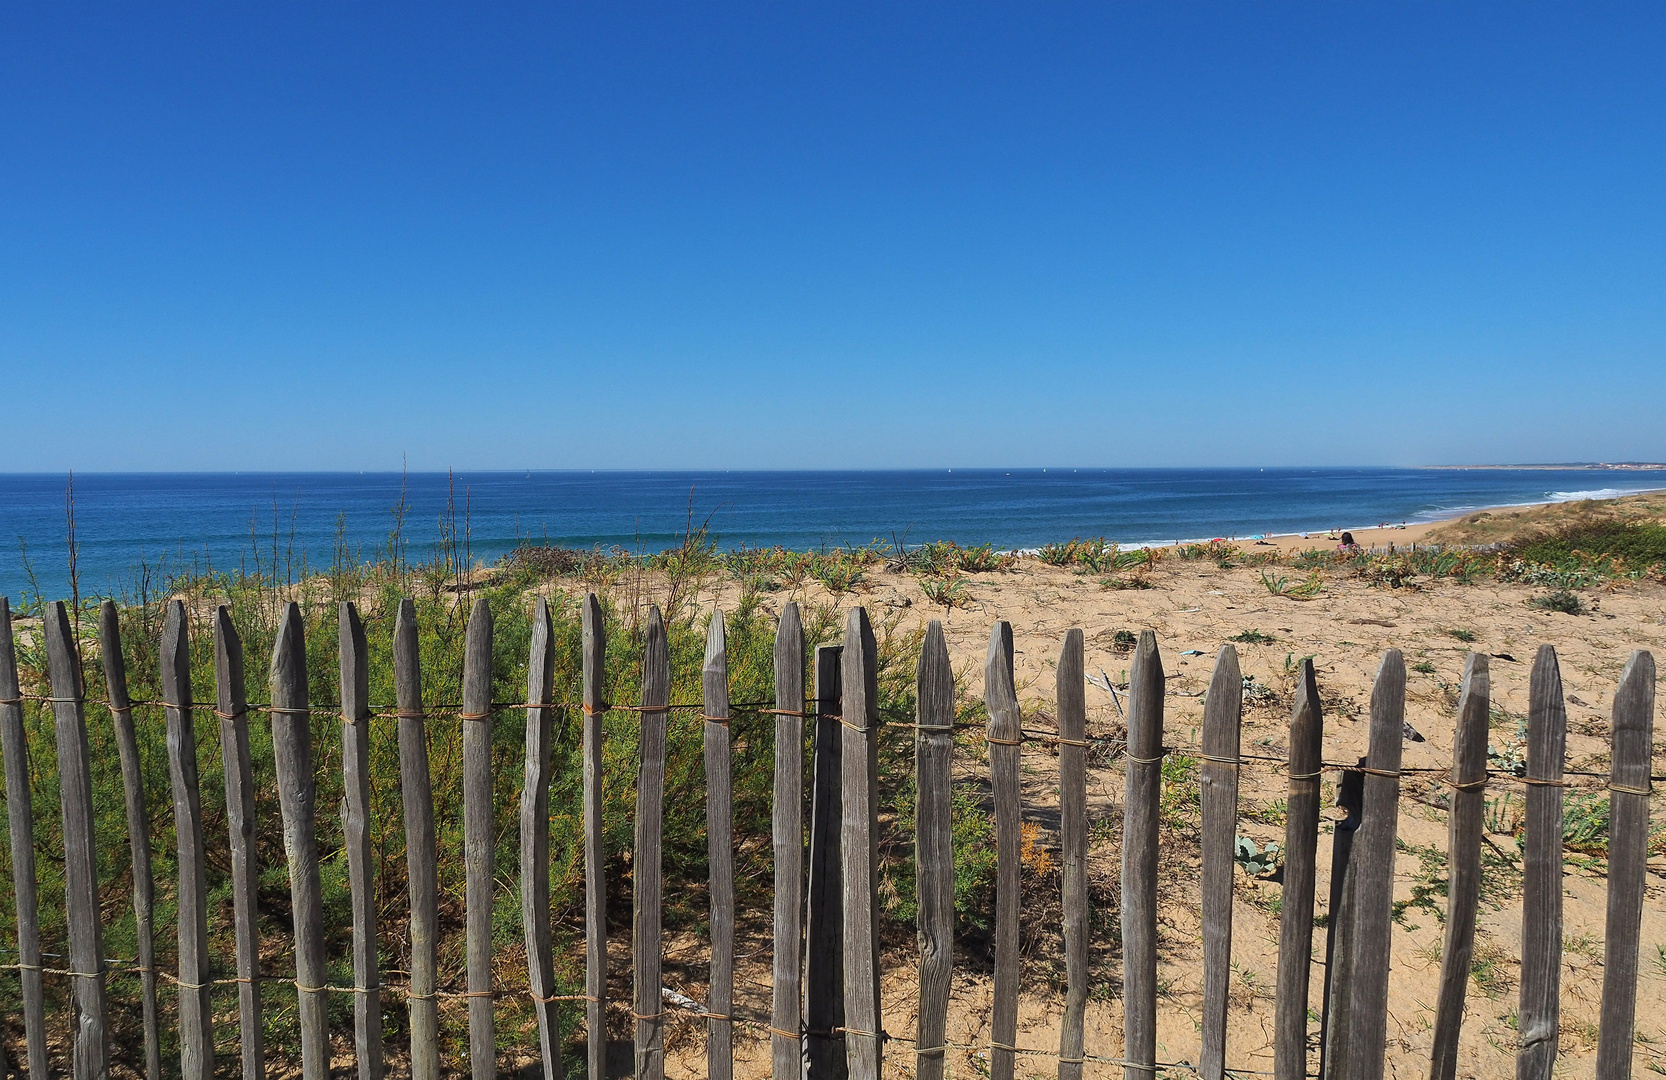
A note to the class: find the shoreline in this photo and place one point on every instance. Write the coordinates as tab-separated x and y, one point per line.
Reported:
1382	535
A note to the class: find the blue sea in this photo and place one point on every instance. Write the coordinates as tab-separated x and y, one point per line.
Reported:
200	520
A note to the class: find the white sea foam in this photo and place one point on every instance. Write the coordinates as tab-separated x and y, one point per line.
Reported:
1443	513
1597	493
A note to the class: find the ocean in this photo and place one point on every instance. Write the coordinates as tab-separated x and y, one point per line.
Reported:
219	520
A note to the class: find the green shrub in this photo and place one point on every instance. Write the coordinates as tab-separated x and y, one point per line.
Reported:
1562	600
1638	544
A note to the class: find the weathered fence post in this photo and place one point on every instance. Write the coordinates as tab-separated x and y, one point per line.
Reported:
196	1010
787	827
824	949
535	838
1073	843
138	826
934	848
595	855
1463	859
355	831
417	801
1337	994
1218	799
1541	915
1628	852
860	779
297	798
1301	845
21	825
1005	737
91	1058
646	882
1144	786
232	710
1374	859
479	838
720	854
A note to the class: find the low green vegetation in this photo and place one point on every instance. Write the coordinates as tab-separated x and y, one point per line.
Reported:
1565	601
1640	544
444	590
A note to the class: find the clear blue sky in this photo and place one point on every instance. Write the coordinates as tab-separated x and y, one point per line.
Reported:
262	236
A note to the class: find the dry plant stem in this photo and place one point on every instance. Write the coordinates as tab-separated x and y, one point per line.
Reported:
1139	857
231	703
1628	852
417	803
1541	920
21	823
1218	799
1465	822
478	838
138	827
1301	840
650	825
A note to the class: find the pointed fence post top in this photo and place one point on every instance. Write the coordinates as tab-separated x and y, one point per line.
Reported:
62	657
176	656
997	665
717	646
861	669
1634	723
289	658
1547	666
1228	677
1477	676
590	614
1145	670
857	626
1634	696
540	668
109	652
1388	708
1307	691
8	651
934	663
355	663
789	628
654	634
477	637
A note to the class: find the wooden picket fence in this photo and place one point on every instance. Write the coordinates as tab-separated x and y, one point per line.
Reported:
825	1020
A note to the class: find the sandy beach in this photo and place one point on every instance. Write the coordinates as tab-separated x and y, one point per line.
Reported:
1195	608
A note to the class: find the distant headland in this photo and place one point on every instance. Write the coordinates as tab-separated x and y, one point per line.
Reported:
1592	466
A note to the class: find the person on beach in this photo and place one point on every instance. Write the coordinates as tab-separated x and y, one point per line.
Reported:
1347	543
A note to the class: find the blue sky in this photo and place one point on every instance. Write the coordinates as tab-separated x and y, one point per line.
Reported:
241	236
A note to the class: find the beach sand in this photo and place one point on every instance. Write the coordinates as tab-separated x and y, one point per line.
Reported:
1196	607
